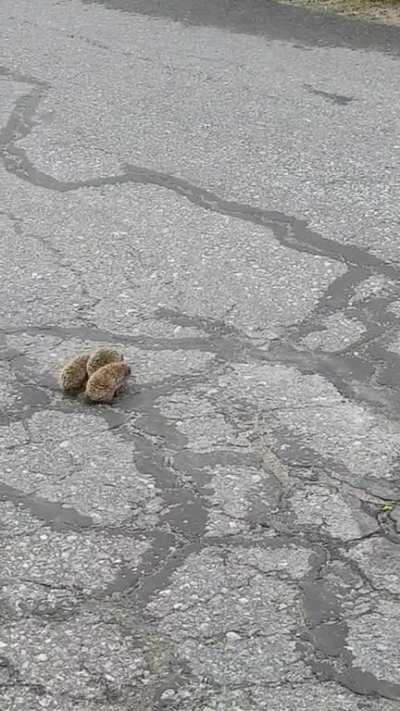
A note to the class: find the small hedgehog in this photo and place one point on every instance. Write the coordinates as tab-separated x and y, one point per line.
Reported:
107	381
100	358
74	374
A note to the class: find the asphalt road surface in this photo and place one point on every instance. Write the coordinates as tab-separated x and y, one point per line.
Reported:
213	187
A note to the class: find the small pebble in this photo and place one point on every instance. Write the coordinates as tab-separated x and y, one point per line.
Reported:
167	694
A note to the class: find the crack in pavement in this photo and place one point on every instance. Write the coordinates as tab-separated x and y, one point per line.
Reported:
289	231
59	516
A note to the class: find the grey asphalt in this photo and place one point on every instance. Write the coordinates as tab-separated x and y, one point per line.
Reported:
212	187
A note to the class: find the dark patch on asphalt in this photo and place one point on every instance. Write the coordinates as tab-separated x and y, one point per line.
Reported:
54	514
339	99
273	20
330	638
361	682
320	604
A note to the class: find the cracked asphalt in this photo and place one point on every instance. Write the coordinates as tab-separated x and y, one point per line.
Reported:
213	188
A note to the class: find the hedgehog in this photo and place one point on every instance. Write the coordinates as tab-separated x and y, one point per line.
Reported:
107	381
74	375
102	357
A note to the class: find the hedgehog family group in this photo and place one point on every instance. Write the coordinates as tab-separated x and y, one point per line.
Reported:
102	375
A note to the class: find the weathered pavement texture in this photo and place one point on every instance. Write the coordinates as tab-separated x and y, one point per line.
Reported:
214	187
